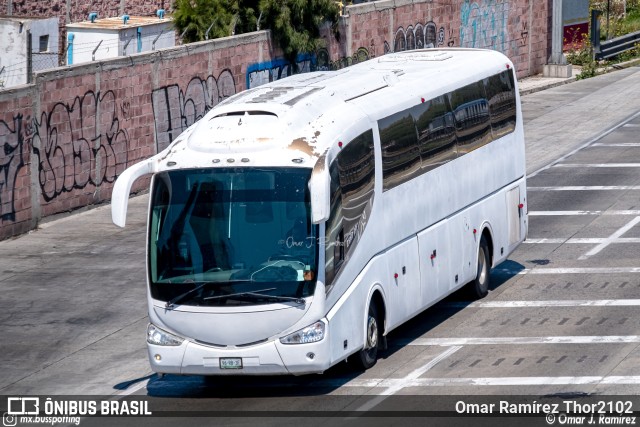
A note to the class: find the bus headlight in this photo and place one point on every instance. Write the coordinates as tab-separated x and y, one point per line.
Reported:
158	336
312	333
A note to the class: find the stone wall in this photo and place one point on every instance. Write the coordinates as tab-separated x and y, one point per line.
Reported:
67	137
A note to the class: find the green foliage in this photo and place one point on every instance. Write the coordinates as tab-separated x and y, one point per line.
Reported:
581	54
294	24
225	17
621	21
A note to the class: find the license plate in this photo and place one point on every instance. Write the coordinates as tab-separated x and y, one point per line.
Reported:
230	363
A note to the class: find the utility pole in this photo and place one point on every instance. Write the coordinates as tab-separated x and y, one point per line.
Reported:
557	64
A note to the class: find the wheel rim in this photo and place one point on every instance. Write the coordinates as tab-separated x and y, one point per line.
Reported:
482	267
372	333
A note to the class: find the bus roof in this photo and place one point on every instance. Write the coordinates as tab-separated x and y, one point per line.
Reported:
296	120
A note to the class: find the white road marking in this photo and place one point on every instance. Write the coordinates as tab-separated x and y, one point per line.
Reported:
617	144
622	230
585	241
398	384
133	388
586	270
587	188
631	125
592	339
570	213
598	165
549	303
625	122
498	381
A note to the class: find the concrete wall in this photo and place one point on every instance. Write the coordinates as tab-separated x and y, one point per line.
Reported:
49	58
68	136
13	53
110	43
69	11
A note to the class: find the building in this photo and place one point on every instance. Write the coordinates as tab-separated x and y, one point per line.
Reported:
26	45
98	39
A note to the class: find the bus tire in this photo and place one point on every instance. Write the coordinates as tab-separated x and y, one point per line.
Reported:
479	287
368	356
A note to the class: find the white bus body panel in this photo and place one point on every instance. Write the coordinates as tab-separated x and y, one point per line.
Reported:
308	117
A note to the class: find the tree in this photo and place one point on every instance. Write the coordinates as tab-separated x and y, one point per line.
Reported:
199	20
294	24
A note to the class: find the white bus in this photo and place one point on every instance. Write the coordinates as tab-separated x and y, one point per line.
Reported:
299	222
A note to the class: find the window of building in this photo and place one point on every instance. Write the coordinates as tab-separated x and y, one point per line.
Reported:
44	44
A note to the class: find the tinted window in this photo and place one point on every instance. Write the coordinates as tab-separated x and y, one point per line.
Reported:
471	111
436	132
352	190
400	152
501	95
226	231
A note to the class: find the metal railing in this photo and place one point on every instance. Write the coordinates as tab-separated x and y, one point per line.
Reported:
610	48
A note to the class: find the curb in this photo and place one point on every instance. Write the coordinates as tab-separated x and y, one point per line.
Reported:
547	86
560	82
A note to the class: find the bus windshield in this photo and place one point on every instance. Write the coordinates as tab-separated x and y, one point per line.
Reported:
232	236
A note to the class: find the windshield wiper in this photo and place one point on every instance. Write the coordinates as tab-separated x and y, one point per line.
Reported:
180	297
259	295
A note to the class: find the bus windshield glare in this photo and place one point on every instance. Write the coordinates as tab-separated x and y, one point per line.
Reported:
232	236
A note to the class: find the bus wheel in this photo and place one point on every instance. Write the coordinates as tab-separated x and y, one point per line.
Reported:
479	287
367	357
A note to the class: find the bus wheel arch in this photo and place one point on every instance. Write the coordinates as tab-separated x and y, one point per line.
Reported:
374	327
479	286
486	234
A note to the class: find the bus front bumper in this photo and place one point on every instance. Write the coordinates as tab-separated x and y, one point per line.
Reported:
270	358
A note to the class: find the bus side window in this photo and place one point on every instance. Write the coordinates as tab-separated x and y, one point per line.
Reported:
501	95
436	132
352	189
333	227
471	113
400	152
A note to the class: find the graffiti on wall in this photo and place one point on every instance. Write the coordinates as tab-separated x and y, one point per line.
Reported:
271	71
325	64
11	161
416	37
483	24
419	36
75	146
175	110
79	144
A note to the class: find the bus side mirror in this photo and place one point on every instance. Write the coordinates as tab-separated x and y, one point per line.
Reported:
122	188
319	187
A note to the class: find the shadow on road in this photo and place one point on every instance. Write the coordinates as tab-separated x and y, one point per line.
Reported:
230	387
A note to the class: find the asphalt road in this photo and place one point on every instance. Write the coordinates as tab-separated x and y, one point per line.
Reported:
562	317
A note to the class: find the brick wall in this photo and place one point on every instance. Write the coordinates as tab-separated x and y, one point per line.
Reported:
517	28
67	137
